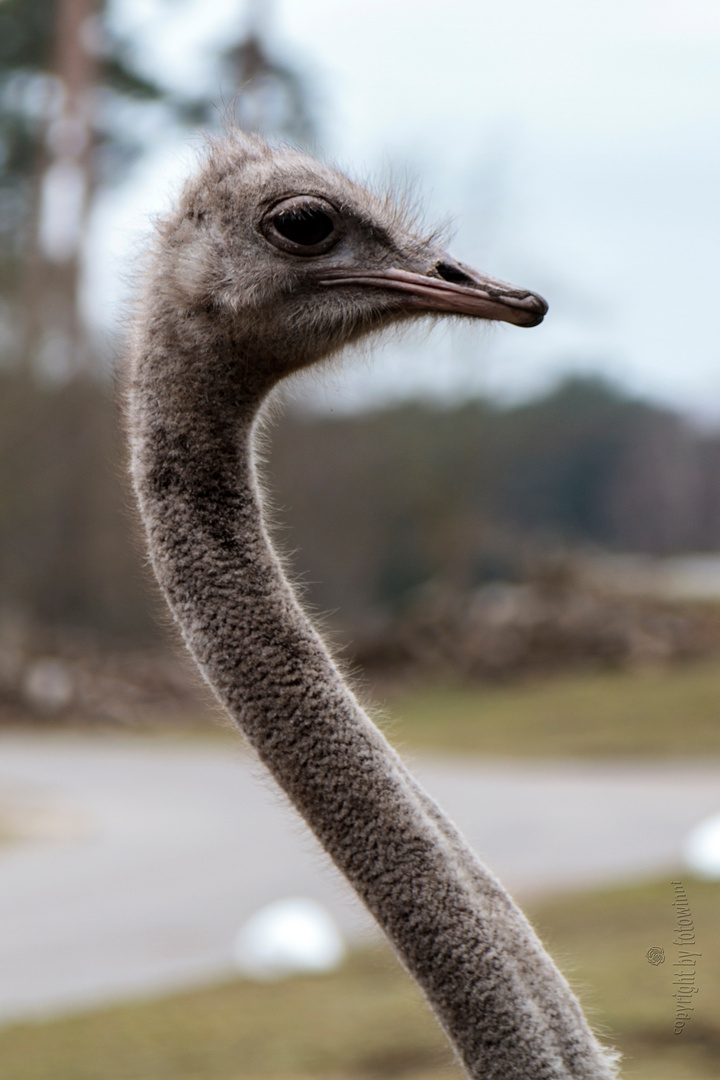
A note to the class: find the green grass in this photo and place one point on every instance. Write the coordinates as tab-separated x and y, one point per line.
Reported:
367	1021
600	939
660	713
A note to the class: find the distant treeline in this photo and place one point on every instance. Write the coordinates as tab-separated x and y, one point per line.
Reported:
369	506
381	503
68	550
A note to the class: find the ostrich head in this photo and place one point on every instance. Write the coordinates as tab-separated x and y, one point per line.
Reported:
289	261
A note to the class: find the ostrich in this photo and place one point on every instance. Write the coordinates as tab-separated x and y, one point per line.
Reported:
271	262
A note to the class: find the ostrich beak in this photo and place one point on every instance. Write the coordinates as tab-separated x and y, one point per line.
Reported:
453	288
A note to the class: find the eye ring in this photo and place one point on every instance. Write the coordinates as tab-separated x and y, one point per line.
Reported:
304	225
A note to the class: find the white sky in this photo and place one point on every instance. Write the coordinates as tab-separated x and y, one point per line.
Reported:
576	146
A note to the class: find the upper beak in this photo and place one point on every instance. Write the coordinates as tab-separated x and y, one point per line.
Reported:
450	287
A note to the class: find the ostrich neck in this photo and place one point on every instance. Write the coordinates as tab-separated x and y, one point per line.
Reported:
504	1006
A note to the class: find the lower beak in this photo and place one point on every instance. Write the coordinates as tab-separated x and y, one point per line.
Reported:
477	295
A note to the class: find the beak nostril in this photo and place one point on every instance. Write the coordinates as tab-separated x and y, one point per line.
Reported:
453	274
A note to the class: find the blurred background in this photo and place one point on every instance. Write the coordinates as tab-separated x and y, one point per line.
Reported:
513	538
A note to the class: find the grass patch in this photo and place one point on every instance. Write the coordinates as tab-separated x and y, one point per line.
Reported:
368	1022
600	940
365	1021
659	713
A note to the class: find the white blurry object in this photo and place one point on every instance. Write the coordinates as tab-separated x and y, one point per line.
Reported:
701	849
287	938
48	684
62	202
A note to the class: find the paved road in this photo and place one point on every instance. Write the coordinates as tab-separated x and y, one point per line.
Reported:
144	857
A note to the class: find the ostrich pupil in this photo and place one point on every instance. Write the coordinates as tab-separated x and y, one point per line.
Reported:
306	227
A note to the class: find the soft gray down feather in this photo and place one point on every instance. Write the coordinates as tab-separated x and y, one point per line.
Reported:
271	262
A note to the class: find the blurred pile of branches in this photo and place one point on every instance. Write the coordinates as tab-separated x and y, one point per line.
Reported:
560	621
563	618
61	673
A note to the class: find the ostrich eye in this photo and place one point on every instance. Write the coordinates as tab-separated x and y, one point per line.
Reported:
303	225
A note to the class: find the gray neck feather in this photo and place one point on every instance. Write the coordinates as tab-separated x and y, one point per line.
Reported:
504	1006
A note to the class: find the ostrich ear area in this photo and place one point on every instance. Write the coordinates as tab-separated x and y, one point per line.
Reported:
478	295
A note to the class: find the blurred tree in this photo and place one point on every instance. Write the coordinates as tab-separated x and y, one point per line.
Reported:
62	76
69	91
71	95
